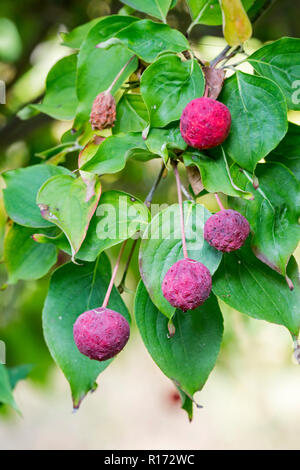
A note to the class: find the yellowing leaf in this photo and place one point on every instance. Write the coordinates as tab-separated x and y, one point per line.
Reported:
237	27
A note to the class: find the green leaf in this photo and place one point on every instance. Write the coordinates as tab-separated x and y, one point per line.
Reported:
168	85
161	247
189	356
118	217
288	150
148	39
97	68
156	8
280	61
22	186
209	11
259	118
75	38
6	396
64	201
113	153
186	404
23	257
132	114
160	141
60	101
251	287
59	151
215	171
273	215
74	290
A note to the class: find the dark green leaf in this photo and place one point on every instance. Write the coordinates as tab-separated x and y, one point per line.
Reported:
60	101
65	201
23	257
280	61
215	171
168	85
259	117
132	114
74	290
161	247
251	287
148	39
288	151
22	186
160	141
273	215
189	356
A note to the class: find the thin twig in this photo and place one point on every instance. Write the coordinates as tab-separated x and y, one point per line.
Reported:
220	56
179	194
122	282
149	198
233	53
147	203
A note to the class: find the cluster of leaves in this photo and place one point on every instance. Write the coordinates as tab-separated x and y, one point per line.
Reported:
52	209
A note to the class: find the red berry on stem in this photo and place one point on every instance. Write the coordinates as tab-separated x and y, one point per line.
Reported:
226	230
187	284
101	333
205	123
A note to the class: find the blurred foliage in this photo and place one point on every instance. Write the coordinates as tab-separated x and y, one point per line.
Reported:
29	46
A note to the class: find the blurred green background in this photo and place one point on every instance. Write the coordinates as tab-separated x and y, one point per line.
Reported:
252	400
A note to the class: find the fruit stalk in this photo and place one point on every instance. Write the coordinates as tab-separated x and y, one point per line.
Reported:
147	203
119	74
113	276
178	184
219	202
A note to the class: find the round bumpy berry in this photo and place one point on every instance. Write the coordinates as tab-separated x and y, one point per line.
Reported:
103	113
205	123
226	230
101	333
187	284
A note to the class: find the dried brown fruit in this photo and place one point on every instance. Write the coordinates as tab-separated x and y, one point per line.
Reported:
103	113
